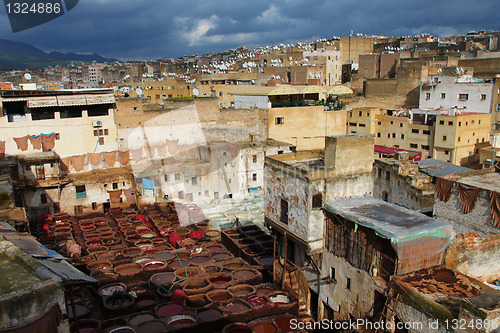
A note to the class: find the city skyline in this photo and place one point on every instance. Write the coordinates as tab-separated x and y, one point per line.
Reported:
148	30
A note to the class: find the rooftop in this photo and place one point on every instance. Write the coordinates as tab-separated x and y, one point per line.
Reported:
388	220
435	168
485	179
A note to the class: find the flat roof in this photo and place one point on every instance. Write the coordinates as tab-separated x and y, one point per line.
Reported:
435	168
388	220
488	181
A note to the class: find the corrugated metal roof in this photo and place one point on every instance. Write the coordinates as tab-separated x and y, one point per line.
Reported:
436	168
66	272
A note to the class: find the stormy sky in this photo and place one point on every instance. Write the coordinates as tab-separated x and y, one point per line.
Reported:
151	29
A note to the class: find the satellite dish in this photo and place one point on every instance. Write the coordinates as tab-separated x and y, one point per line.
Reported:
196	92
138	91
27	76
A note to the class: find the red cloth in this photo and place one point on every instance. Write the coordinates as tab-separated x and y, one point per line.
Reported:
140	217
174	238
196	234
178	296
46	227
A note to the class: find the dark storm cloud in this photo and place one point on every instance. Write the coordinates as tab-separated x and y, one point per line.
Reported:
150	29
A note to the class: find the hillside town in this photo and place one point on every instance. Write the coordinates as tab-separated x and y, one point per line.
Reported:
348	184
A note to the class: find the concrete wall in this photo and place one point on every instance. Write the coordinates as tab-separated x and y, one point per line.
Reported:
305	127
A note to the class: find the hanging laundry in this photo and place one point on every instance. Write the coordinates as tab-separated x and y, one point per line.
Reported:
468	197
36	141
124	157
172	146
65	163
495	208
150	151
136	154
130	194
193	150
22	143
148	184
110	157
443	188
95	159
114	196
78	162
182	150
2	150
48	141
233	149
161	150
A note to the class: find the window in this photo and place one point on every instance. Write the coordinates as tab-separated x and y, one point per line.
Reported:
463	97
458	139
94	205
254	177
101	141
165	177
194	180
400	124
394	135
392	123
106	131
483	97
427	95
80	192
177	176
443	95
447	152
280	152
317	200
254	158
426	132
414	130
362	125
444	137
279	120
413	145
58	136
402	136
350	114
498	107
466	123
115	186
425	147
284	211
353	124
379	173
450	123
379	134
380	123
360	113
459	123
180	194
348	284
441	122
78	209
387	175
220	93
332	273
43	198
388	135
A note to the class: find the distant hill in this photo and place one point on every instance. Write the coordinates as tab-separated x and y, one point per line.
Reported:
18	55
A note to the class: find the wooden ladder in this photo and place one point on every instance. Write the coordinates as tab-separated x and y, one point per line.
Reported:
394	296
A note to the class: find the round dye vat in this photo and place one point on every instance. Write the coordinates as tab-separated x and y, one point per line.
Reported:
154	265
154	326
214	248
264	328
197	301
117	303
212	269
112	324
220	280
263	291
124	329
198	260
112	288
280	299
143	301
237	328
128	269
221	256
234	265
236	307
182	255
241	290
168	310
284	323
244	274
141	318
219	296
181	320
209	314
162	279
176	264
132	251
256	301
164	255
87	327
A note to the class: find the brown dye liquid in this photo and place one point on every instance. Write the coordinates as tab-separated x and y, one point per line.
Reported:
220	256
264	328
284	323
236	307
